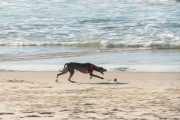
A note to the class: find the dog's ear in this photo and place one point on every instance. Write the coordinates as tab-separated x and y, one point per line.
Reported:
97	68
100	69
104	70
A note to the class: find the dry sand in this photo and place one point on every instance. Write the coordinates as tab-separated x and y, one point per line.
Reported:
135	96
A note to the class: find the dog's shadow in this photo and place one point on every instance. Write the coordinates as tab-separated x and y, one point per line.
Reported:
110	83
107	83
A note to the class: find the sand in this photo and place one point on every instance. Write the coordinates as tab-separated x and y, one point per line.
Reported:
135	96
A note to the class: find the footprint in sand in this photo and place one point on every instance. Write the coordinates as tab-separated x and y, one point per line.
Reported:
30	116
18	81
38	114
46	113
4	113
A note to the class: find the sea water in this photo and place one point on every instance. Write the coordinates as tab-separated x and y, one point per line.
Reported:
125	35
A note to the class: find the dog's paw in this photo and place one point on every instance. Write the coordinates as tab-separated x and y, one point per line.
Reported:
72	81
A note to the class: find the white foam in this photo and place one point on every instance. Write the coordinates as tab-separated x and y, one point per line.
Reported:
165	42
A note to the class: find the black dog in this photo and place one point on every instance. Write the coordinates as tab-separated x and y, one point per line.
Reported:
82	67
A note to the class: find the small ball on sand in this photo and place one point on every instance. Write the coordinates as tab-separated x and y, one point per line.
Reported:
115	80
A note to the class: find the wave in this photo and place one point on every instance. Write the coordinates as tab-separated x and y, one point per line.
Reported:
51	43
53	55
138	44
107	20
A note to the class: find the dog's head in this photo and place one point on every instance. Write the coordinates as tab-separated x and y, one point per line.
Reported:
100	69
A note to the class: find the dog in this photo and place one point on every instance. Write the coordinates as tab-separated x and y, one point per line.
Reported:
82	67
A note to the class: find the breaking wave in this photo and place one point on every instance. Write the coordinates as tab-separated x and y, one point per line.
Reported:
139	44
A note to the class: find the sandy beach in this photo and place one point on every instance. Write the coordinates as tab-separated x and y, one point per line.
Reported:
135	96
137	41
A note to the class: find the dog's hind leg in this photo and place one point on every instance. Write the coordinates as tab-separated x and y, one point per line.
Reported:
71	71
63	72
71	74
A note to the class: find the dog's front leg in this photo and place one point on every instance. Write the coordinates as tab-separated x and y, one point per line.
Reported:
92	75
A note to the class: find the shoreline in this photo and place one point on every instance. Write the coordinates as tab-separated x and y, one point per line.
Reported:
132	61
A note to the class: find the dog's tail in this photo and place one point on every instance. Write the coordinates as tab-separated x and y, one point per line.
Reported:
64	67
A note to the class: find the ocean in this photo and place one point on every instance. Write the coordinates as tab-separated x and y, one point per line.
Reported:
123	35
